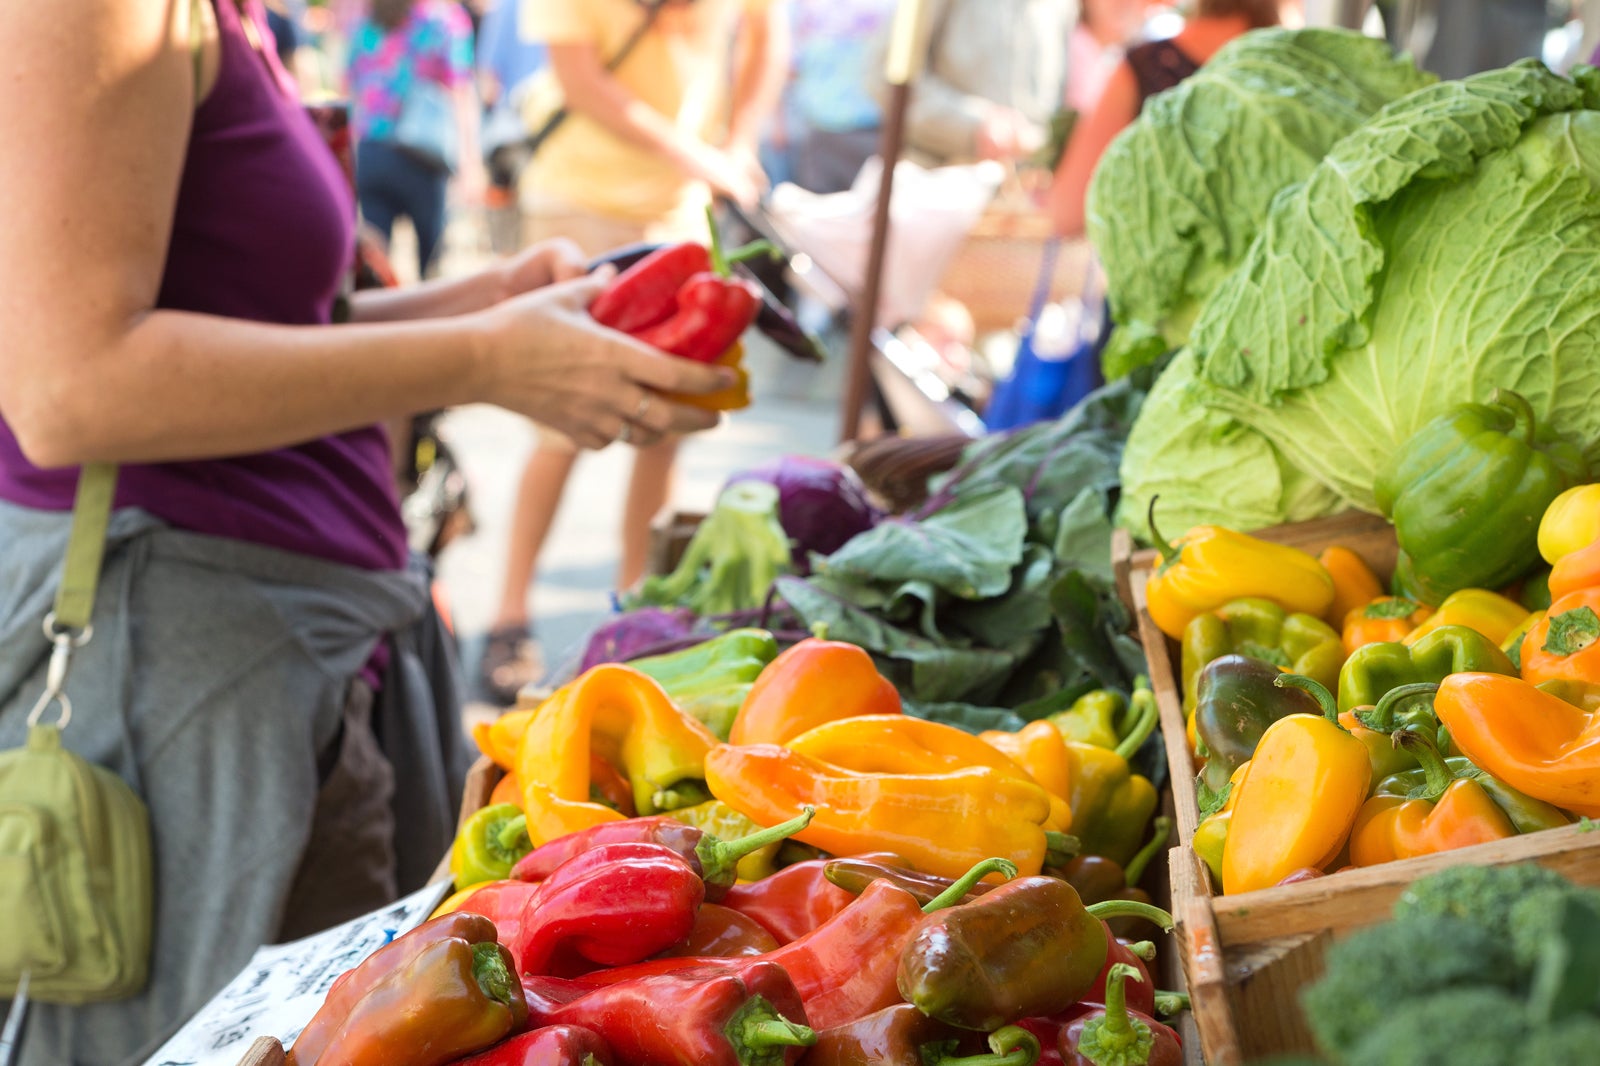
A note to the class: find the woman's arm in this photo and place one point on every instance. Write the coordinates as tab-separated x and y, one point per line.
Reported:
590	89
100	93
1118	106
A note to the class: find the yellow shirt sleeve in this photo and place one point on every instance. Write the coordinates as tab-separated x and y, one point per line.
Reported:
558	21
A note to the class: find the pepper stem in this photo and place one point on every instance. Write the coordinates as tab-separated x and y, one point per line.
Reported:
1318	691
1130	908
1169	1004
1060	848
494	977
718	858
683	794
1143	712
1381	718
1436	772
719	259
1011	1046
1117	1020
1521	412
1161	833
964	884
513	832
759	1036
1143	949
1162	545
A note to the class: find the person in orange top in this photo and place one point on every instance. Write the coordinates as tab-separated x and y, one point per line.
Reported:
1145	70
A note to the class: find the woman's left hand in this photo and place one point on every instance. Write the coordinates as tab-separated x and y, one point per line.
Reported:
541	264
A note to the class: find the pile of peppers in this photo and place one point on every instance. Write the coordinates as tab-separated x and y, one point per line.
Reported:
732	855
685	300
1335	722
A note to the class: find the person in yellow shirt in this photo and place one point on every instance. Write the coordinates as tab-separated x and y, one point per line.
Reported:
643	149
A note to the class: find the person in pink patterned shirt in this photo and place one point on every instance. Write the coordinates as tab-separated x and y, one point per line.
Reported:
400	44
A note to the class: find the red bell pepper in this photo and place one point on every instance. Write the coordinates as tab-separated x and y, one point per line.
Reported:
844	969
714	308
714	859
724	933
647	292
796	899
553	1045
1113	1035
612	905
1142	995
699	1017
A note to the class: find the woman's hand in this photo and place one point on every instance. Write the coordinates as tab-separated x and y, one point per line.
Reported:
547	359
538	265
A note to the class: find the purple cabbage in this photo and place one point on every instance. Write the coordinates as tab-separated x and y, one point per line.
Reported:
627	635
821	504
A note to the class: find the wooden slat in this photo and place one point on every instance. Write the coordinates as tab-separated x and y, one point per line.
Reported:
1356	898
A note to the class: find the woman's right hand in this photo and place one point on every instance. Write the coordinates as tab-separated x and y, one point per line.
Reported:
547	359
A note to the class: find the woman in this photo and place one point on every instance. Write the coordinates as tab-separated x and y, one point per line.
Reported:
1145	70
258	663
404	48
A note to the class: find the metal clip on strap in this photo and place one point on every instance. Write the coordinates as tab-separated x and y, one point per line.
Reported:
67	626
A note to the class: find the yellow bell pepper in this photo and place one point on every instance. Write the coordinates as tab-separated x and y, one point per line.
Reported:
902	744
1296	806
1489	613
624	717
1572	521
1039	749
1210	566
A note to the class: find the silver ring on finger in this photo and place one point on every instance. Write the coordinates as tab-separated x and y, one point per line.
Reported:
644	406
625	434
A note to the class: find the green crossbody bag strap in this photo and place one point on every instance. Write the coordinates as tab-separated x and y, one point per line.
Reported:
67	625
86	547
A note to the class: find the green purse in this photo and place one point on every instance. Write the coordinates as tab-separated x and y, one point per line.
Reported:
76	880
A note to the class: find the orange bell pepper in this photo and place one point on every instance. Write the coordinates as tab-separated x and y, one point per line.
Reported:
1354	583
1489	613
1382	620
1210	566
1564	645
1534	741
627	719
813	682
901	744
1445	813
506	790
1574	571
1296	806
940	823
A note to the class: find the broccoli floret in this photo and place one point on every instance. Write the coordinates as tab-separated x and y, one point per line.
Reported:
1575	1039
1482	895
1536	918
1456	1027
1373	972
730	563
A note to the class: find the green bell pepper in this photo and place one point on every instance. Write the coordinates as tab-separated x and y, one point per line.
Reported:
1100	718
1435	774
1466	493
710	680
489	845
1300	643
1235	701
1374	669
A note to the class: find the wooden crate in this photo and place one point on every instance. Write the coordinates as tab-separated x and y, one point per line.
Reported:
1246	956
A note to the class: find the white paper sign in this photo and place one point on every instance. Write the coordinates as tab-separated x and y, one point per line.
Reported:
284	984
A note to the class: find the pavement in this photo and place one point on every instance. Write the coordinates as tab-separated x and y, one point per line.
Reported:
794	411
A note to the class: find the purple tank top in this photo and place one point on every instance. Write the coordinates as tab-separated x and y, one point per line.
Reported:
264	230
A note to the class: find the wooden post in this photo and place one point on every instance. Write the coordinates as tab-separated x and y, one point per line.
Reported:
900	68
